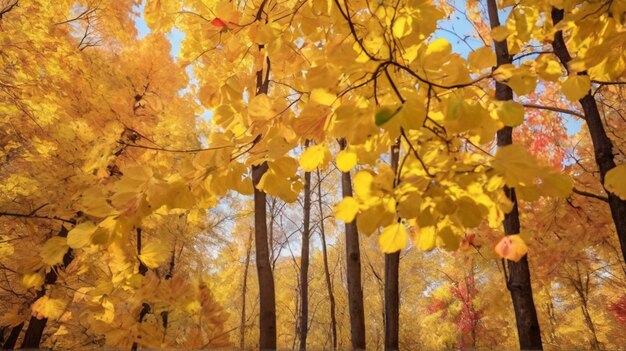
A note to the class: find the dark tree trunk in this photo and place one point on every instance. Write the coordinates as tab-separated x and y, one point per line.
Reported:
165	314
518	282
304	261
329	284
267	297
602	145
267	306
9	344
34	332
353	267
143	269
392	283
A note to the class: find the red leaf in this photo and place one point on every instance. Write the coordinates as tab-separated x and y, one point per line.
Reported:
218	22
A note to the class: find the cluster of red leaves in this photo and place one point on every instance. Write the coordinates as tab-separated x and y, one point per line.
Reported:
619	309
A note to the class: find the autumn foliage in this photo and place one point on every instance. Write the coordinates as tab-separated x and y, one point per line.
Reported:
262	174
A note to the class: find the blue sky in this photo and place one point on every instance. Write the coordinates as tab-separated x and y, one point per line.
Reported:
175	36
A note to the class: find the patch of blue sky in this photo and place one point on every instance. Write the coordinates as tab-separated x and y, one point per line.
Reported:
140	21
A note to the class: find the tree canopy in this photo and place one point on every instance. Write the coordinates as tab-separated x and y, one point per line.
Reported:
403	174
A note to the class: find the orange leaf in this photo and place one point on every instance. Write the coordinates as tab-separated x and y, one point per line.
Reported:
511	247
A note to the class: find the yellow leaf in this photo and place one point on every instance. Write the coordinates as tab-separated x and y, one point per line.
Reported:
510	113
520	79
425	238
347	209
575	87
314	157
447	238
402	26
548	68
107	229
556	184
280	180
500	33
154	254
46	307
53	250
511	247
32	280
363	185
81	235
393	238
323	97
284	167
516	165
482	58
260	108
615	181
437	50
469	212
346	160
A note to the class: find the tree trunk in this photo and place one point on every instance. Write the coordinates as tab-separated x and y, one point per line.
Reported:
518	282
9	344
267	307
582	290
34	332
304	261
595	344
353	268
170	273
329	284
602	145
267	297
143	269
392	284
244	290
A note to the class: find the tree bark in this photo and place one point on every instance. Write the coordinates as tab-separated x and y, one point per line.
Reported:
392	283
304	261
267	296
34	332
518	282
602	145
267	303
9	344
353	268
244	290
329	284
143	269
165	314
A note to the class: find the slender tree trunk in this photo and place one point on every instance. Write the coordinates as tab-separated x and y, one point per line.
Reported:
602	145
34	332
170	273
518	282
267	306
143	269
582	290
329	284
353	267
267	297
244	290
304	261
392	283
9	344
552	316
595	344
